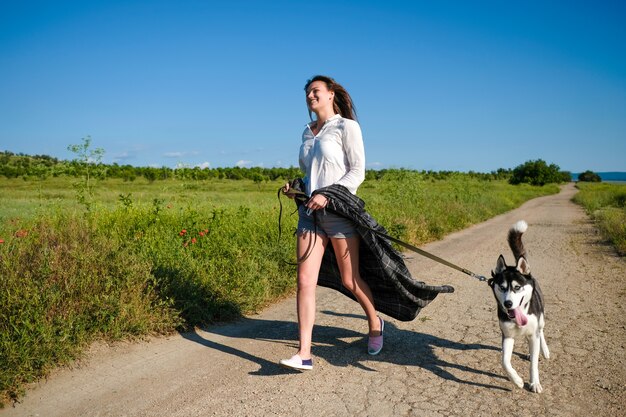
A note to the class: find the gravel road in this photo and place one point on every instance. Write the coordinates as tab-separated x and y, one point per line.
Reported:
444	363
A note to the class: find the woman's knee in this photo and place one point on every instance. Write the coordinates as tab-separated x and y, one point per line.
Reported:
306	282
351	281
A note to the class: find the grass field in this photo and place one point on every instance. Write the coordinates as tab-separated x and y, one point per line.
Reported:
154	257
606	204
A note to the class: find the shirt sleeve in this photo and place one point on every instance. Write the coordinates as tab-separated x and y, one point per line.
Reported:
354	152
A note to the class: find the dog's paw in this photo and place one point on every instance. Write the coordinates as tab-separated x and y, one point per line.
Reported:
536	388
517	381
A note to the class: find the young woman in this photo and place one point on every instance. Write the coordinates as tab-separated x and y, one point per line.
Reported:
331	153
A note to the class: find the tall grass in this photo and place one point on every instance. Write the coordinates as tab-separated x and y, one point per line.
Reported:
606	204
152	258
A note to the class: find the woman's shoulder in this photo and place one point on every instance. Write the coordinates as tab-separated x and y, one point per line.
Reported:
350	124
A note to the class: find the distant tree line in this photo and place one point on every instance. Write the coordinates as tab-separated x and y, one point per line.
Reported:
42	166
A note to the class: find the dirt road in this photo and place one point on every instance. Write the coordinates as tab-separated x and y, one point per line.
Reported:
444	363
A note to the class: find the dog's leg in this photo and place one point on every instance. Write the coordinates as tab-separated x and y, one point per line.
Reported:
542	340
534	342
544	346
507	352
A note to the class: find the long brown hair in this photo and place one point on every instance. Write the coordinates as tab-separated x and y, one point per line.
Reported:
342	104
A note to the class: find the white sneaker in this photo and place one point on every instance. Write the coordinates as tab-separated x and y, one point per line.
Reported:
296	362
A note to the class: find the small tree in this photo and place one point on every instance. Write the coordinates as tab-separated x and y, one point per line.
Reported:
589	176
537	173
90	162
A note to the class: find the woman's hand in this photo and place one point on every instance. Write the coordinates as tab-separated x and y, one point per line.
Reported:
286	189
318	201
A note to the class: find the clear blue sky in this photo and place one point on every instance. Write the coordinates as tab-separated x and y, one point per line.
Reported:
441	85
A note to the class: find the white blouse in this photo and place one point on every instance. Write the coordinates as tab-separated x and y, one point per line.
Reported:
334	156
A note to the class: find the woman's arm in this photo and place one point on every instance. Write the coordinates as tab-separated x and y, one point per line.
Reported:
355	156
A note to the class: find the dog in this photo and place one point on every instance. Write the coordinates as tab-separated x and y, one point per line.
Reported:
520	308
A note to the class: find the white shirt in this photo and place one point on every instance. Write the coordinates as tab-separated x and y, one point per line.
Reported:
334	156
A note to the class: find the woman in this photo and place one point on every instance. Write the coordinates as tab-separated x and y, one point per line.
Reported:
331	153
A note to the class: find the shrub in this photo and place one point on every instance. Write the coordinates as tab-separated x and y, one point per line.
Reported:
589	176
538	173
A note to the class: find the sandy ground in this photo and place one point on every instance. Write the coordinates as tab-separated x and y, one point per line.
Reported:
444	363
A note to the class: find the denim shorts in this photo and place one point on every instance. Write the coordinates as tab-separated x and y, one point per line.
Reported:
328	224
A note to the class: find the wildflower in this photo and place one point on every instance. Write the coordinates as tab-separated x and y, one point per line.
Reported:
1	240
21	233
206	231
182	232
201	233
193	240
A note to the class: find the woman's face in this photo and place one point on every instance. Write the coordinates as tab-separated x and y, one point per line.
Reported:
318	97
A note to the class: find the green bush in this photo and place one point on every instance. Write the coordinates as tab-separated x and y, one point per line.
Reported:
63	285
538	173
589	176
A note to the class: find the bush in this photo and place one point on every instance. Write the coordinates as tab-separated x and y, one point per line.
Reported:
538	173
589	176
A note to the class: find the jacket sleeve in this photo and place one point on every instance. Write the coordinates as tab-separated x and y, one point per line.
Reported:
354	154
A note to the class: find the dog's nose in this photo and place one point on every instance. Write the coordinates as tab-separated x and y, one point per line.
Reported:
508	303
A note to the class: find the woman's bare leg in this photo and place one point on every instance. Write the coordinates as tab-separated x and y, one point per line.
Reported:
307	282
347	253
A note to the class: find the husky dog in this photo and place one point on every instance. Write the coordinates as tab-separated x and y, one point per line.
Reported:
520	308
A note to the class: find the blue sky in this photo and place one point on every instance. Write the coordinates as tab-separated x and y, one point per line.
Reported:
438	85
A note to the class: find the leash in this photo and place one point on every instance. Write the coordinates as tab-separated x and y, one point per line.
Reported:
302	197
299	195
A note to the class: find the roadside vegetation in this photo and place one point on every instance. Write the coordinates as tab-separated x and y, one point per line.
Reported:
87	257
606	204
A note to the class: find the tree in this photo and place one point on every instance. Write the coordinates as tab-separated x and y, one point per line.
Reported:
537	173
589	176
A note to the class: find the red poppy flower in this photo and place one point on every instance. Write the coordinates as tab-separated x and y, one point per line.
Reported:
21	233
193	240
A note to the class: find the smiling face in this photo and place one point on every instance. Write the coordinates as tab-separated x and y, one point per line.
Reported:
318	97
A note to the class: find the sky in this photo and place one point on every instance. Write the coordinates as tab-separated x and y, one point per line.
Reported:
438	85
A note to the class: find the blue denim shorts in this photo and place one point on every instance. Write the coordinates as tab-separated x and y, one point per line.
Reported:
328	224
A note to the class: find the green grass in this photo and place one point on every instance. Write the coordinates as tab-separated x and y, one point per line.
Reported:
150	258
606	204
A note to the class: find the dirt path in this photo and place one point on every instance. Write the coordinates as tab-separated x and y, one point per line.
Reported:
444	363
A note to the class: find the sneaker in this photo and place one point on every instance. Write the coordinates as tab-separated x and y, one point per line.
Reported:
375	343
296	362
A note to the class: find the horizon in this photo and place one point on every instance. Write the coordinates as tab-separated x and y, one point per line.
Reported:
438	87
182	166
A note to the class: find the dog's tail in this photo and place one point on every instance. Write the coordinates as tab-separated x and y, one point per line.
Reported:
515	240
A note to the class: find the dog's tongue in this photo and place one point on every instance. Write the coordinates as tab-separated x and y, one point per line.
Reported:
520	318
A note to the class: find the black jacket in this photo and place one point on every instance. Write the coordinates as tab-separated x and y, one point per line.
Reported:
395	292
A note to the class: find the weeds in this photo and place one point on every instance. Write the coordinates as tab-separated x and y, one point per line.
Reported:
606	204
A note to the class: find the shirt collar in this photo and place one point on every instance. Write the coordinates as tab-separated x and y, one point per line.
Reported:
336	116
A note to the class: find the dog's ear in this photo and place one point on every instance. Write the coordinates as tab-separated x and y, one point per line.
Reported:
500	265
522	266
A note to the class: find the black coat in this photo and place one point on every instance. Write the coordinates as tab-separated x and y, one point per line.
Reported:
395	292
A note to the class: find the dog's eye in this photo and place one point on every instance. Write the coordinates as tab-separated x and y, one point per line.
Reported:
502	288
517	288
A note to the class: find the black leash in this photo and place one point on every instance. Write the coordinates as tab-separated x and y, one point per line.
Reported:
303	198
